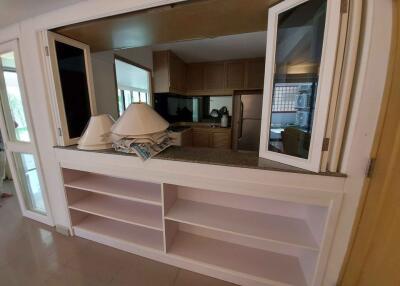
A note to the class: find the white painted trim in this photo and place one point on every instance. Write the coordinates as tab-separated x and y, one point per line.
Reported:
58	103
324	86
346	85
369	88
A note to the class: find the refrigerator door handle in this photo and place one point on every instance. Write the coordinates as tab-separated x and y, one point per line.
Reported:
241	120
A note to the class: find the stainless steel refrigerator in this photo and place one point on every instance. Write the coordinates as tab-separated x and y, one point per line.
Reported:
247	120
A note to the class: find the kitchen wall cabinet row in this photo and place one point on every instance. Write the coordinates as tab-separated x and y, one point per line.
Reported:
173	75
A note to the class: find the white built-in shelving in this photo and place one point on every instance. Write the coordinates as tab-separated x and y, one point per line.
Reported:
264	266
260	240
94	226
120	210
243	222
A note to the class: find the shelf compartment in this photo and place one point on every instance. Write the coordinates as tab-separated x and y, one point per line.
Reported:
242	222
145	192
94	226
261	265
129	212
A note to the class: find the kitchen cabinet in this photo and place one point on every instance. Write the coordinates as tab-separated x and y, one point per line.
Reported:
235	74
195	77
169	73
255	73
212	137
214	76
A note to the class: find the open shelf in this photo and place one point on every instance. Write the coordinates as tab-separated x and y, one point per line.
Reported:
145	192
261	265
120	210
242	222
93	226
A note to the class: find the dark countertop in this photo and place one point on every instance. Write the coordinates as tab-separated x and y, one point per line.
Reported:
240	159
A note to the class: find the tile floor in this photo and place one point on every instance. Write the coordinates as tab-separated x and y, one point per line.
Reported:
33	254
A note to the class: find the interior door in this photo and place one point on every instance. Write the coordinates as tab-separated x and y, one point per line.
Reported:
18	137
74	101
374	256
301	50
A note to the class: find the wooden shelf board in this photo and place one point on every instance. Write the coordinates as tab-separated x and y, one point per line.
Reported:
119	231
257	264
121	188
121	210
246	223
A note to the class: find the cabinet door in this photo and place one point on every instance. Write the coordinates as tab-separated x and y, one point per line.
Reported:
201	138
177	70
161	71
255	73
195	77
235	74
214	74
221	140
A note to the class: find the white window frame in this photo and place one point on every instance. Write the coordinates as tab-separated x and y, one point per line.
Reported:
326	75
12	146
57	101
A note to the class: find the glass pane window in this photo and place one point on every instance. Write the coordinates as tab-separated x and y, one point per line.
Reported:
136	97
300	36
143	97
11	97
30	183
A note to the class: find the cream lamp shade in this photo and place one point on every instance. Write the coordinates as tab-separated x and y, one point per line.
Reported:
97	133
139	119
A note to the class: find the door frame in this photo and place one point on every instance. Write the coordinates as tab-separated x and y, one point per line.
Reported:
12	147
326	76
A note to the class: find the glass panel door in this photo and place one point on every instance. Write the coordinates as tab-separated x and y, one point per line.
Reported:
30	183
300	58
17	136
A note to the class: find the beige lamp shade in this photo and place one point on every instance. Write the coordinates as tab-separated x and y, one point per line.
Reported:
97	133
139	119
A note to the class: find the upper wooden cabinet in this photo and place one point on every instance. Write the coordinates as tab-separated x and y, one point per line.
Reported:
195	76
214	76
235	74
255	73
169	73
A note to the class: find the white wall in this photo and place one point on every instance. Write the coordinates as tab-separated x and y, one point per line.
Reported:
104	75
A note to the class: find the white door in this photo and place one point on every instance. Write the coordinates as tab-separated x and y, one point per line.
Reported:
300	57
18	137
74	102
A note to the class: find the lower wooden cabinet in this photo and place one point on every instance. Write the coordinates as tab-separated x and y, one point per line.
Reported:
212	137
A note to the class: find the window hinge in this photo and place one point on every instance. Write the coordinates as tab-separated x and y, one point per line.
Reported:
370	167
325	144
344	6
59	132
46	50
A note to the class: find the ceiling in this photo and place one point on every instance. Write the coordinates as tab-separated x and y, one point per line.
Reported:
241	46
196	19
13	11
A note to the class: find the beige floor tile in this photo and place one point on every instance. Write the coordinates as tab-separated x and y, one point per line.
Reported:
72	277
188	278
145	272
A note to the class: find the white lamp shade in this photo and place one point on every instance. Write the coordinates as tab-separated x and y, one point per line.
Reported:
97	133
139	119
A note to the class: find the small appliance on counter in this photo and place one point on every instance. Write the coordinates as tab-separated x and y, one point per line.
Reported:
224	116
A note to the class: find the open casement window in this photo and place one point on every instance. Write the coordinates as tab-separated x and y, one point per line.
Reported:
300	57
74	101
